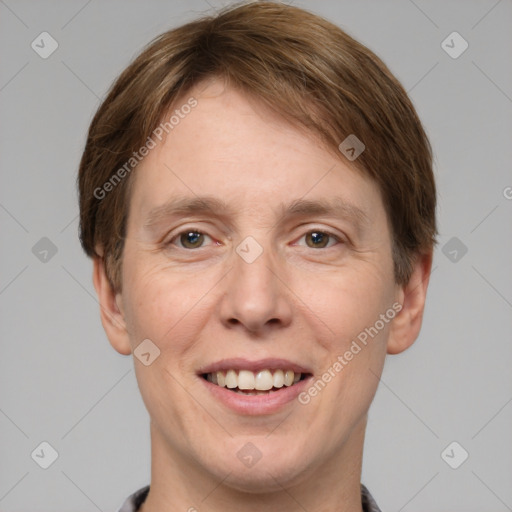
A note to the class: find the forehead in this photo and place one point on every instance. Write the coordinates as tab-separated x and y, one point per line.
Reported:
235	148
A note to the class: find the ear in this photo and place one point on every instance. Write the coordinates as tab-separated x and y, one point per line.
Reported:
407	324
112	316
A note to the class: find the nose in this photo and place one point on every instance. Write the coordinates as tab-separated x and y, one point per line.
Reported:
256	297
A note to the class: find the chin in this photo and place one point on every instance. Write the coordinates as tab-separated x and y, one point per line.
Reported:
260	481
270	473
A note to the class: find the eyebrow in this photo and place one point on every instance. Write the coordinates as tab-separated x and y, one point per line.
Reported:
335	207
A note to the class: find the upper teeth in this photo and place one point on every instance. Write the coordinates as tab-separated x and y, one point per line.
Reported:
262	380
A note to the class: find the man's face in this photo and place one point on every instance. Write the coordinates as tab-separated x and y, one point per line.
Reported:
269	273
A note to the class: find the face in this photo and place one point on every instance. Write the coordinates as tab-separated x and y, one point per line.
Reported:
253	251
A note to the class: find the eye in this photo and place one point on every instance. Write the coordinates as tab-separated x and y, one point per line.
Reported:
195	239
317	239
189	239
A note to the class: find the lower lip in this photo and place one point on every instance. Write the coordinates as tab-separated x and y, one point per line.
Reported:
256	404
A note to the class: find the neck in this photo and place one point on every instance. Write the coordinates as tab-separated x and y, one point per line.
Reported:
178	482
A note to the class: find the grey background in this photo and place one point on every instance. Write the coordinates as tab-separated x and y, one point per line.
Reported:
61	382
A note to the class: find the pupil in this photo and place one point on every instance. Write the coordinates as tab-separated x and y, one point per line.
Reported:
318	239
191	238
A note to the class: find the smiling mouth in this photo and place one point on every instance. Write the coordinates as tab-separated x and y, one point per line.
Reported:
246	382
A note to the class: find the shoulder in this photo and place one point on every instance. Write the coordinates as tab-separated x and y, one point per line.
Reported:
369	504
134	501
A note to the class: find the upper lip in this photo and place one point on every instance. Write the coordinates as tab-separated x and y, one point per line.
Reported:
239	363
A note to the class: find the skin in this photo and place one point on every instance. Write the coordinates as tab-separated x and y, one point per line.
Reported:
296	301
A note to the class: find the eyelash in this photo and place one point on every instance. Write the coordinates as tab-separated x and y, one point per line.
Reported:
194	230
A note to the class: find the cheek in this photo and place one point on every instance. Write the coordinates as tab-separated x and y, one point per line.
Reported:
345	302
351	304
347	310
164	306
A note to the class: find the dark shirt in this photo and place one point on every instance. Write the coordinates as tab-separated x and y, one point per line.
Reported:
133	503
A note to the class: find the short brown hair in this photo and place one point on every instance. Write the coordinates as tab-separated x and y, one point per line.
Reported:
300	65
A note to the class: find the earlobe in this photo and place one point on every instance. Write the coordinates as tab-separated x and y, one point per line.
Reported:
407	324
112	315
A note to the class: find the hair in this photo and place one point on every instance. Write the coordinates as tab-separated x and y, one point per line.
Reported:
300	65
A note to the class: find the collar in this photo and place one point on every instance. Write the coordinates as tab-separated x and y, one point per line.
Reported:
133	502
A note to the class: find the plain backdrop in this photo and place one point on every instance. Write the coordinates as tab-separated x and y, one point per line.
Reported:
62	383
